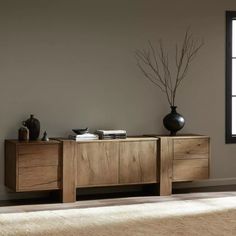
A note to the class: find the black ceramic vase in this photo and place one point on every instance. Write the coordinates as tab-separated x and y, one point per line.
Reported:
33	125
173	121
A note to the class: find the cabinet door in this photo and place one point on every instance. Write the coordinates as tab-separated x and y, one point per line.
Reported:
138	162
97	163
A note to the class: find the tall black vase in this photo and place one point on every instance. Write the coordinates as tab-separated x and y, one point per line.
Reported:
33	125
173	121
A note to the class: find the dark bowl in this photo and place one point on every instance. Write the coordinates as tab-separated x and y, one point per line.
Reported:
81	131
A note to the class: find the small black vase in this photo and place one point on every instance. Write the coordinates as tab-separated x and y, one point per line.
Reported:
33	125
173	121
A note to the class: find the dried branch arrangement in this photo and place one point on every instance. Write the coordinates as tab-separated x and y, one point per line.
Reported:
155	66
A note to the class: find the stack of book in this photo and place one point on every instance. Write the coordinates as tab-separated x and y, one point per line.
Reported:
83	137
111	134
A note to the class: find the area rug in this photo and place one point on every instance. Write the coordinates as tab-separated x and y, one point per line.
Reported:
203	217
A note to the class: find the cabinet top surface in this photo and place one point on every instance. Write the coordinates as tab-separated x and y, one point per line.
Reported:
178	136
37	142
129	139
148	137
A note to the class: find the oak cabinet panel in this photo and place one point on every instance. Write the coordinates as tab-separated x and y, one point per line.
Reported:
38	155
31	166
11	169
183	158
138	162
97	163
188	170
39	178
191	148
191	159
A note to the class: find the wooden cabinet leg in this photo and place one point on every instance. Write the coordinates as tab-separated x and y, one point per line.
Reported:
68	172
166	160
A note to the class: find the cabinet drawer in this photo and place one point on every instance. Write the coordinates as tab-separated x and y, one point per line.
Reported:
188	170
191	148
38	155
39	178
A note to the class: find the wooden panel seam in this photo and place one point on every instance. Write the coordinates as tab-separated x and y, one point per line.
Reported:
17	168
166	165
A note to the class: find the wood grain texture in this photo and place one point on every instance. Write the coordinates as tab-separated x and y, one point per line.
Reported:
68	164
209	157
69	171
11	170
178	136
166	161
129	139
138	162
36	142
188	170
97	163
30	167
39	178
191	148
38	155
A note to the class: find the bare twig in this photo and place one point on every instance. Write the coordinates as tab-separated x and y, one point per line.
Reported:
154	64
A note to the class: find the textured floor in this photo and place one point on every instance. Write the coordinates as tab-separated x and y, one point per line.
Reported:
185	214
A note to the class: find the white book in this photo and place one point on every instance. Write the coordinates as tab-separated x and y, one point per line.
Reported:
107	132
85	139
83	136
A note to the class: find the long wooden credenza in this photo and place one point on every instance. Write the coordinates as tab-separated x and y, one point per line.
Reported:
67	165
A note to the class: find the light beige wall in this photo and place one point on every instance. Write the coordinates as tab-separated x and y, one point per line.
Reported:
71	63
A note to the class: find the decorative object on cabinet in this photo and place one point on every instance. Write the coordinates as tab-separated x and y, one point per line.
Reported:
23	133
45	137
173	121
156	67
81	131
33	125
83	137
112	134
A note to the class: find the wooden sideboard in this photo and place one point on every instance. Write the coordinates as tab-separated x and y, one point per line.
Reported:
67	165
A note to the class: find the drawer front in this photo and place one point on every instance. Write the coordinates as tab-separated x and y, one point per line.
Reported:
39	178
38	155
188	170
191	148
